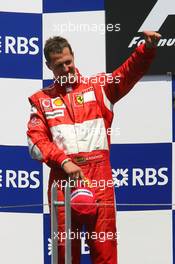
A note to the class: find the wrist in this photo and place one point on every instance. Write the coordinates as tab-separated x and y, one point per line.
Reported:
64	162
150	45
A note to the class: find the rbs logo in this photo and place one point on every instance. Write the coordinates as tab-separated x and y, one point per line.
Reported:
140	177
19	45
20	179
149	177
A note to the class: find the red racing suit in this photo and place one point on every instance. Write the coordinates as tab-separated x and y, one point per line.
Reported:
73	123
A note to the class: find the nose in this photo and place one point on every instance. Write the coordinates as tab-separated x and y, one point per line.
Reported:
65	68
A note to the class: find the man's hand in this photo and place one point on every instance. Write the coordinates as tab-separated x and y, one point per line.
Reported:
73	171
151	38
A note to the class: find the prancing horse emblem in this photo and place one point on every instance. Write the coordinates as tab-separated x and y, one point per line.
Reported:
79	99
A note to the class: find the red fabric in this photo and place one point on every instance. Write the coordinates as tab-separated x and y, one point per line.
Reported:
103	251
95	164
83	203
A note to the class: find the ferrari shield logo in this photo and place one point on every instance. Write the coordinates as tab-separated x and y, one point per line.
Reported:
79	99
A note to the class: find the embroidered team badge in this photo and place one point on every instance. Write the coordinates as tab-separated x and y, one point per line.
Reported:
79	99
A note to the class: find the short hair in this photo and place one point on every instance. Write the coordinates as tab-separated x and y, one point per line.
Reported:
56	45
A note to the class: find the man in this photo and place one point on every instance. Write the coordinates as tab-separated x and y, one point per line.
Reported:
68	130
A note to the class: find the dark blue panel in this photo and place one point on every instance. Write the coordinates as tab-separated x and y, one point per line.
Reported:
134	160
50	6
47	239
173	226
21	181
47	82
174	108
85	259
21	45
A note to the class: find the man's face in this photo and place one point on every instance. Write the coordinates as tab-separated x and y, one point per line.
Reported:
62	65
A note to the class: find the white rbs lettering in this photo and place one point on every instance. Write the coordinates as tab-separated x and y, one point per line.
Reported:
149	176
21	45
22	179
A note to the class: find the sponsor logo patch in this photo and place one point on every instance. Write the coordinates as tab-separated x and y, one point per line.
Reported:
54	114
35	121
80	159
57	103
46	103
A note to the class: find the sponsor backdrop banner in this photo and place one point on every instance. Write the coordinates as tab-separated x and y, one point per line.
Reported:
102	34
20	45
21	179
139	169
135	17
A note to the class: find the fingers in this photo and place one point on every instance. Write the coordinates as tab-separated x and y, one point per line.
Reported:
82	174
152	34
76	174
73	171
151	38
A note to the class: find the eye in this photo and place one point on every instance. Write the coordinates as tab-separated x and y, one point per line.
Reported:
68	62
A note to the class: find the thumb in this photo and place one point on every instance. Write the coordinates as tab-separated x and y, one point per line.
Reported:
82	175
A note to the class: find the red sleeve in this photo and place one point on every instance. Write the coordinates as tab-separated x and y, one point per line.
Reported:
40	142
130	72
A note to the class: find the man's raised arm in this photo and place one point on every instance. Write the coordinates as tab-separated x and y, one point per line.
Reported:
133	69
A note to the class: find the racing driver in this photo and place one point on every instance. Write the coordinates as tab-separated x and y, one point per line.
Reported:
68	130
